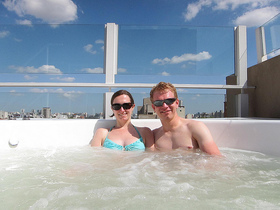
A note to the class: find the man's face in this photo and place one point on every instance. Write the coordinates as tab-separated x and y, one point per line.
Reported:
165	111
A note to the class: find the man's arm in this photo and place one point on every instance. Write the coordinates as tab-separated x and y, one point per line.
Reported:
202	135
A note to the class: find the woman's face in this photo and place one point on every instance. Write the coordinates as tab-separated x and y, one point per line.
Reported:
123	113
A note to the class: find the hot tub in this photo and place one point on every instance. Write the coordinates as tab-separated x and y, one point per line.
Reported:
247	134
48	164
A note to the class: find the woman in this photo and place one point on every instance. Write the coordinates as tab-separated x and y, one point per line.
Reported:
124	135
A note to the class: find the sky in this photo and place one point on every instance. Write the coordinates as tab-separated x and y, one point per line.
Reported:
159	40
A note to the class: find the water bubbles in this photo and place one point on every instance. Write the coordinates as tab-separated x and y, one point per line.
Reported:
13	143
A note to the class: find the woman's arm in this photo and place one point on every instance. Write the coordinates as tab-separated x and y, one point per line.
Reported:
148	138
99	137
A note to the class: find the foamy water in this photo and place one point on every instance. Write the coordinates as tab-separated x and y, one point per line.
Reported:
99	178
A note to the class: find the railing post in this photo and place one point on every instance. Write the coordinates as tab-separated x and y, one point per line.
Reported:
261	46
111	52
241	70
110	63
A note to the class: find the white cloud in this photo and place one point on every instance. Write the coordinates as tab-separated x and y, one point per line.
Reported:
195	97
193	9
28	77
63	79
66	94
234	4
38	90
257	17
181	90
88	48
45	69
15	93
97	70
4	34
165	73
50	11
185	57
24	22
99	41
122	70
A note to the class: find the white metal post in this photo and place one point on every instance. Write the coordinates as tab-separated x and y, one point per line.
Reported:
261	46
241	69
110	63
111	52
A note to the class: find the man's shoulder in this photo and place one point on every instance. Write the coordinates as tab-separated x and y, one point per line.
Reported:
156	130
191	123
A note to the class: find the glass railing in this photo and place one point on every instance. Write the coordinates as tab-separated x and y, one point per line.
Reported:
272	37
187	55
79	104
74	55
47	53
63	103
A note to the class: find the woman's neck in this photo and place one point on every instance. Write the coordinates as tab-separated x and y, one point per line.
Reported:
122	124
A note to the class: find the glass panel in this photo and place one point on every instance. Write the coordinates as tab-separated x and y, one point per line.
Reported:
47	53
272	38
191	53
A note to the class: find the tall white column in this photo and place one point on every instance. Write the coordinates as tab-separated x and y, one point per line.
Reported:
241	70
110	63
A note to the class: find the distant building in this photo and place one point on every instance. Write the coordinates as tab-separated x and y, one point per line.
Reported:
189	116
3	115
46	112
146	111
181	109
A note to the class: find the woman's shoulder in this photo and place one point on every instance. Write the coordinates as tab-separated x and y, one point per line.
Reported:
102	131
145	131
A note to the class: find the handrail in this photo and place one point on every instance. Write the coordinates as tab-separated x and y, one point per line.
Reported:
116	85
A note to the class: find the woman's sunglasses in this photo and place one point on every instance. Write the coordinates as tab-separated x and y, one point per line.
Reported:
167	101
124	106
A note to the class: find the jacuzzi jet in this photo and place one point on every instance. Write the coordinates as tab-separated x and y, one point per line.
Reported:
13	143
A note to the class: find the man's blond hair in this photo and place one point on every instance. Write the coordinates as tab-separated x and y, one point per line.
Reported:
163	87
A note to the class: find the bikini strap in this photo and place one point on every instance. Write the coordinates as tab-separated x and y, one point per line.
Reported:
109	131
140	137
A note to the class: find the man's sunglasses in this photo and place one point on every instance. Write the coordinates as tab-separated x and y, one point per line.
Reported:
167	101
124	106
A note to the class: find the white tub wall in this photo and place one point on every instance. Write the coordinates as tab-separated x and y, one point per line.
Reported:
247	134
256	135
46	133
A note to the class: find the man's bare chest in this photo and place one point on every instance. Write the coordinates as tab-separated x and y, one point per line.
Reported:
174	140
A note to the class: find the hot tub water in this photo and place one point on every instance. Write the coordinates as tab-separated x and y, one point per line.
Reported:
94	178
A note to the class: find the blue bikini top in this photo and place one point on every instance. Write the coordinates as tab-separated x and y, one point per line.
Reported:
137	145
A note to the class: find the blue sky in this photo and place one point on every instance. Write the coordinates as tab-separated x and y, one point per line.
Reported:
63	41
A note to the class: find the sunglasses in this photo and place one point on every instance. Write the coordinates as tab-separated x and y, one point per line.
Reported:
167	101
124	106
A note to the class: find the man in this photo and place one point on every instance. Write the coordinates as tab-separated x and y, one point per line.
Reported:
175	131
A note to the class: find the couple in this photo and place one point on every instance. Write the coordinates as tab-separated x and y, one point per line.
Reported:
174	133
